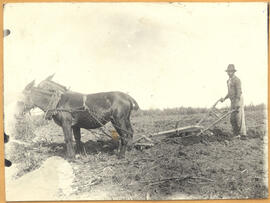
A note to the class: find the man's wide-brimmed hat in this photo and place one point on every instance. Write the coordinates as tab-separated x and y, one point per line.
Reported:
231	68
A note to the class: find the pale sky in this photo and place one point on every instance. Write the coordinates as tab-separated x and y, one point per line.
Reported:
163	54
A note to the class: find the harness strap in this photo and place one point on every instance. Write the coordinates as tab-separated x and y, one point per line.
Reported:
84	100
51	109
91	113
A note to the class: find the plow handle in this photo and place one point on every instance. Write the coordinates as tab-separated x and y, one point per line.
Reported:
209	111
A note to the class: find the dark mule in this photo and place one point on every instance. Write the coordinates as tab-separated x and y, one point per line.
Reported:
75	111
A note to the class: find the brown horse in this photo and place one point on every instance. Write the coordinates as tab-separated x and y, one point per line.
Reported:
75	111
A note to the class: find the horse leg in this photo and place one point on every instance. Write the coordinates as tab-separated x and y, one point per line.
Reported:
115	125
77	136
130	134
66	126
120	126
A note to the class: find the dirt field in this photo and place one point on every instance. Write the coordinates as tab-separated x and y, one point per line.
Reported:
213	166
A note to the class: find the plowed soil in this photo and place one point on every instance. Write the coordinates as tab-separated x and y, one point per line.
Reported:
215	165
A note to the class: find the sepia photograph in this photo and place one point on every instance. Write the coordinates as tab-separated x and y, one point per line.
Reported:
135	101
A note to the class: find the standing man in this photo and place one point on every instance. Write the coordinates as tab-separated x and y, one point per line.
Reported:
236	97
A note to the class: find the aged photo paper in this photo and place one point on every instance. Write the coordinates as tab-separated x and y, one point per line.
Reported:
135	101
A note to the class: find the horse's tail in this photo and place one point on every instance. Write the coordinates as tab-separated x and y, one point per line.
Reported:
133	102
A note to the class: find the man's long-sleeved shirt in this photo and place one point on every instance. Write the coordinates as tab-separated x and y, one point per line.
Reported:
234	88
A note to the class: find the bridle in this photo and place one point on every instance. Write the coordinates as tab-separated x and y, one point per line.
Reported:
29	93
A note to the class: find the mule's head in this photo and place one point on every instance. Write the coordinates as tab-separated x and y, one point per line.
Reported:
25	103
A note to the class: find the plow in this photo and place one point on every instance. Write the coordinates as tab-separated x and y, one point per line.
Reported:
187	132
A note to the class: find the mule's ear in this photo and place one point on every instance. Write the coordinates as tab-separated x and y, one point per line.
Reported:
50	77
30	85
